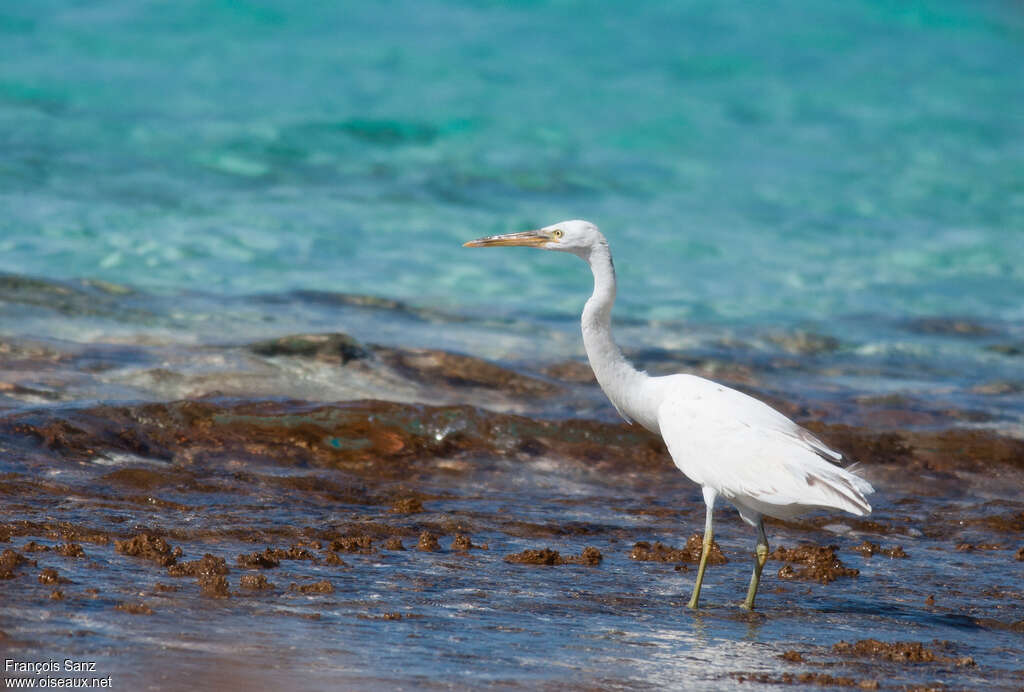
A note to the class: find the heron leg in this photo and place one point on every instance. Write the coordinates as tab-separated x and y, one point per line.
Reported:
709	499
760	557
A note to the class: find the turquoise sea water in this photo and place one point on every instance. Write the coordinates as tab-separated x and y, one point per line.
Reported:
793	163
821	203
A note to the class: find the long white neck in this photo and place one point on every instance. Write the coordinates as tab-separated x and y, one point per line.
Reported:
622	383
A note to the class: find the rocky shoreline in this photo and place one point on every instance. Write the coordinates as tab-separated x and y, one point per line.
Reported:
150	509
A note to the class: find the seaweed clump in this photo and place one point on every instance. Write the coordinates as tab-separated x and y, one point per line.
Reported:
899	652
149	547
11	560
547	557
812	563
659	552
867	549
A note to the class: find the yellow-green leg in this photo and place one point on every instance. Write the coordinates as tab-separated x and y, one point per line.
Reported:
760	557
709	533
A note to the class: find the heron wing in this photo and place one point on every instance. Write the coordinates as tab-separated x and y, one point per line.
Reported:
749	452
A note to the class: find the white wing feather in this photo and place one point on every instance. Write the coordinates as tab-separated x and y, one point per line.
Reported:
750	453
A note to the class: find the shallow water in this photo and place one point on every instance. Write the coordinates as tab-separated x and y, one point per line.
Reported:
439	619
786	164
261	451
235	315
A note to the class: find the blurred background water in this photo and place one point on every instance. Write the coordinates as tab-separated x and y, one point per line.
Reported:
777	163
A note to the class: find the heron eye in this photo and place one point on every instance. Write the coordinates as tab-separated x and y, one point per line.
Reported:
557	233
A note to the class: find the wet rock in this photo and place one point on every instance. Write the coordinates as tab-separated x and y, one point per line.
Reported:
372	438
271	557
134	608
254	582
820	679
279	514
659	552
145	479
1006	349
816	563
827	523
149	547
865	447
1020	554
50	576
890	401
425	366
160	587
804	343
460	371
265	560
695	545
331	348
428	542
296	552
56	595
33	547
998	388
407	505
660	361
208	565
214	585
570	371
322	586
792	656
949	326
548	557
382	616
70	550
1003	523
353	544
529	529
324	487
1001	625
462	544
900	652
545	556
334	560
59	530
363	532
971	547
394	543
71	532
72	298
955	449
867	549
14	350
530	447
881	418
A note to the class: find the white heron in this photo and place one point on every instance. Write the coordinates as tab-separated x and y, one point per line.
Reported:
731	444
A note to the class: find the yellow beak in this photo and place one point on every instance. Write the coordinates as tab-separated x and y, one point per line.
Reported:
526	238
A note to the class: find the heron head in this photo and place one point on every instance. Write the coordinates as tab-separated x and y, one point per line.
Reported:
576	236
